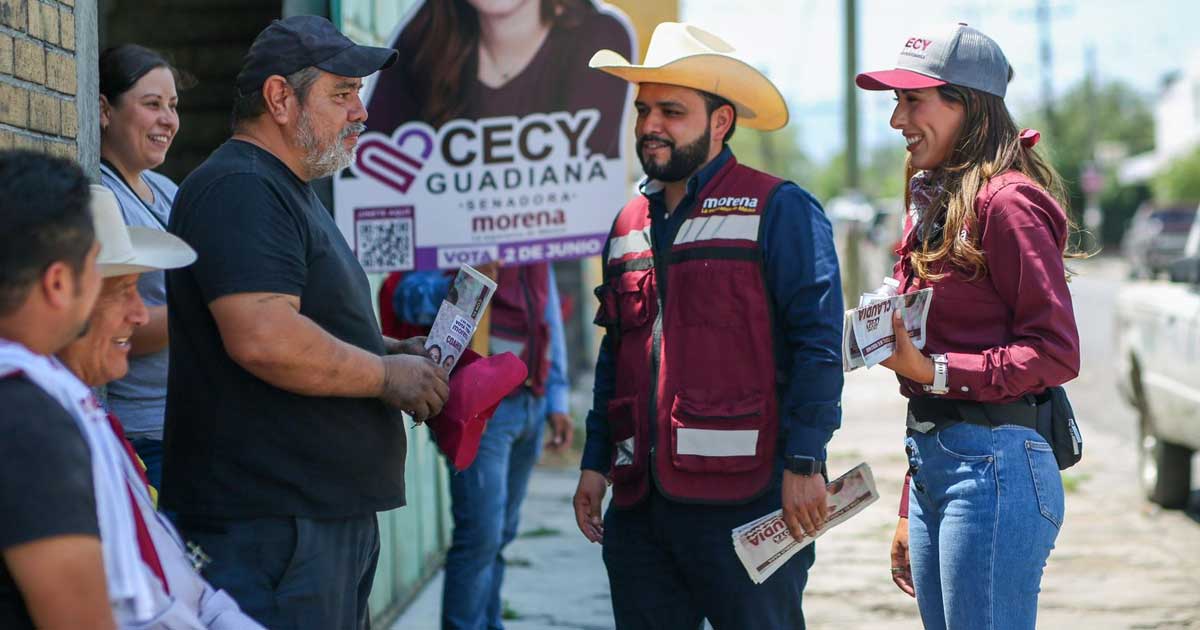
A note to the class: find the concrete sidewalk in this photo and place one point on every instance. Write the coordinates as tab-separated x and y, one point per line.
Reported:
1119	564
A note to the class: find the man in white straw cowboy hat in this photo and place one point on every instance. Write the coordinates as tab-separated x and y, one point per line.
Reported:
719	376
152	581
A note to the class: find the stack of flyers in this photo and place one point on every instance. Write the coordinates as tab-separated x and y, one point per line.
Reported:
867	334
458	316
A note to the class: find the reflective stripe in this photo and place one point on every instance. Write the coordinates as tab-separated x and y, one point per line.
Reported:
632	243
715	443
729	227
500	345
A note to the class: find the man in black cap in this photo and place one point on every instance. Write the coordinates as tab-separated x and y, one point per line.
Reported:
283	431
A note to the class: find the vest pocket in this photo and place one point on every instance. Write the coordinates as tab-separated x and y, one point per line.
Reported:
622	430
724	298
635	304
717	436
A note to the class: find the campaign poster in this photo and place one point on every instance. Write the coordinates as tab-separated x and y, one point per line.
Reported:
481	146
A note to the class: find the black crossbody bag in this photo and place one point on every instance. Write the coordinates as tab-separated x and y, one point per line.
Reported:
1048	413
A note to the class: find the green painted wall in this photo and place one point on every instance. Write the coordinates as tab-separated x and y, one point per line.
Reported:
414	538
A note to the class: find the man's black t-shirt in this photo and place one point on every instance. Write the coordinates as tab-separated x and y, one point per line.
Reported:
45	481
236	446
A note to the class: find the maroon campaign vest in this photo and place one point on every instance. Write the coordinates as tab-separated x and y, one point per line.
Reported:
519	320
695	406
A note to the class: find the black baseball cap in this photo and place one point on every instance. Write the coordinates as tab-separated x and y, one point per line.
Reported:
300	41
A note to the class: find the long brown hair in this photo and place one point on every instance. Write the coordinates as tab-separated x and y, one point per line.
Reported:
988	145
444	47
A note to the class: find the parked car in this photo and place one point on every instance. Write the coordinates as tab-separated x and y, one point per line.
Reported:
1156	237
1158	349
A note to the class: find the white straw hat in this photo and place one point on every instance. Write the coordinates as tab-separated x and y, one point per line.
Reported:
688	56
130	249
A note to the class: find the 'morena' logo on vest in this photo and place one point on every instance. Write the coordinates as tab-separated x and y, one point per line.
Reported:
726	205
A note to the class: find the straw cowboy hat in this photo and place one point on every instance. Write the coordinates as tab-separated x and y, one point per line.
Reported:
125	250
682	54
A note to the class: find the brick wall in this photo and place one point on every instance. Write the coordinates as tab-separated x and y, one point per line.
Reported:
38	108
205	38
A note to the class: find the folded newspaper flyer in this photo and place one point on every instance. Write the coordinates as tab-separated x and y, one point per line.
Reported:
867	335
457	318
763	545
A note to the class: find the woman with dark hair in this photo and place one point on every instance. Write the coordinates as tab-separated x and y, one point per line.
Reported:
986	229
138	122
485	58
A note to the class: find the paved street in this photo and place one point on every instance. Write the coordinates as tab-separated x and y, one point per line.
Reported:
1119	562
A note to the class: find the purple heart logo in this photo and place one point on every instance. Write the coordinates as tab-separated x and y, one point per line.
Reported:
394	162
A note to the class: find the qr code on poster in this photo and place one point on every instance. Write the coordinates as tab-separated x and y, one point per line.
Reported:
383	239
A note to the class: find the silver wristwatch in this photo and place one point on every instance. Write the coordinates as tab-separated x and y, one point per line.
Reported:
941	370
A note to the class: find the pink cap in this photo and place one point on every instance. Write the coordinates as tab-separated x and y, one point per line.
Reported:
895	80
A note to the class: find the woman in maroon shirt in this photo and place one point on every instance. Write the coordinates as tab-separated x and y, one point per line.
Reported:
987	230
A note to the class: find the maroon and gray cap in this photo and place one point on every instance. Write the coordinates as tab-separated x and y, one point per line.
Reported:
958	54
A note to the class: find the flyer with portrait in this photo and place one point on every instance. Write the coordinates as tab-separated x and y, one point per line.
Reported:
765	544
467	298
867	335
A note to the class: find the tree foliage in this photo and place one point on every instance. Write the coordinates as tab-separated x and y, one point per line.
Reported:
1180	182
775	152
1084	116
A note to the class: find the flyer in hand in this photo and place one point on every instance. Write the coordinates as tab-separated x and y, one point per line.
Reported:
867	335
765	544
459	315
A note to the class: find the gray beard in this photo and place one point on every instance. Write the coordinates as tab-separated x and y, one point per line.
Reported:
323	161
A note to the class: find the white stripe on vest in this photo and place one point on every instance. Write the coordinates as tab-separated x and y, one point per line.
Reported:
632	243
715	443
726	227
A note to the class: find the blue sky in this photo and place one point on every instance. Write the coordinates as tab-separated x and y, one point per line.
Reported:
799	43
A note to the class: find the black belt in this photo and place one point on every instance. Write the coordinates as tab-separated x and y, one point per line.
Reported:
934	414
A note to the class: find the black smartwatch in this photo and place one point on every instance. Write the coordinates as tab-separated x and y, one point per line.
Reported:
802	465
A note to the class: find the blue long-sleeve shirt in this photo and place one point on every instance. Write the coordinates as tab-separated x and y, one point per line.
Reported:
420	293
803	279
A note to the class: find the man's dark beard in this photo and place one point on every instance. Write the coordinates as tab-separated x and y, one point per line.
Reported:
683	162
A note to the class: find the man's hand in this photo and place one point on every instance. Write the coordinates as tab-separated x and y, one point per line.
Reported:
413	345
414	384
562	430
901	569
588	497
804	505
907	360
491	270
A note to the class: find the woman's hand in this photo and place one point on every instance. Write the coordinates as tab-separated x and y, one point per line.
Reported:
907	360
901	569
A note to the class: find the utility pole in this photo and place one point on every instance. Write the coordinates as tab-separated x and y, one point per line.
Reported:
852	174
1044	18
851	255
1091	179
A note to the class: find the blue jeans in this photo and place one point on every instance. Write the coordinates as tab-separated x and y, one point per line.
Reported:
292	573
486	504
985	508
671	565
151	452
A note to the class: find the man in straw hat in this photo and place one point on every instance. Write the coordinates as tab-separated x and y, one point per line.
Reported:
150	574
719	376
